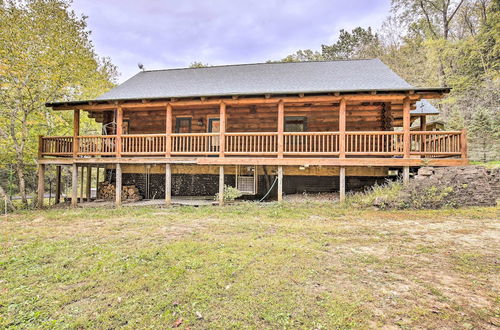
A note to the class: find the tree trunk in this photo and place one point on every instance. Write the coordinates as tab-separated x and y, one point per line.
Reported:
3	196
22	183
485	152
442	75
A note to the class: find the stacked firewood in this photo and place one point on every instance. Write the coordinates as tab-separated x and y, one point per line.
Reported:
107	191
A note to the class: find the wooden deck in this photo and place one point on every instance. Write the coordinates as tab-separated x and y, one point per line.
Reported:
341	131
314	148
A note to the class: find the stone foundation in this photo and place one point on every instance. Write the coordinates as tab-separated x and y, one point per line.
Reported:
463	185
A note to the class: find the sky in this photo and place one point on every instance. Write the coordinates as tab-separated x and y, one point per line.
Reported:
163	34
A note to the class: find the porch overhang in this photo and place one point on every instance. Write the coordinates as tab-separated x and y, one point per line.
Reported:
373	95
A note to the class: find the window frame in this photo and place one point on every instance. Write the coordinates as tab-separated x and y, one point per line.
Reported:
178	121
295	118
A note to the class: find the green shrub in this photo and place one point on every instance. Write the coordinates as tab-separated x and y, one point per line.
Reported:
393	195
230	194
377	195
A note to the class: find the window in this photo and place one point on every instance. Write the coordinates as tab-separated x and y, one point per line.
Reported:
183	125
295	124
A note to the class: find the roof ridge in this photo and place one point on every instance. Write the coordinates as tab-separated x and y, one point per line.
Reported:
262	63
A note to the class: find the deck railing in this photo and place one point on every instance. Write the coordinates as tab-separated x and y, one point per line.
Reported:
195	144
96	145
251	143
437	143
56	145
143	144
311	143
375	143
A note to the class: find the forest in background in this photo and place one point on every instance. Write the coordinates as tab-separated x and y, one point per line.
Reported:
46	54
437	43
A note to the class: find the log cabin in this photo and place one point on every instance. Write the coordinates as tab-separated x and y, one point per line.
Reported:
309	126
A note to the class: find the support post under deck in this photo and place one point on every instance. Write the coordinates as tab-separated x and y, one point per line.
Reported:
97	181
168	184
41	185
82	186
74	185
221	185
342	184
118	190
58	184
88	188
406	175
280	183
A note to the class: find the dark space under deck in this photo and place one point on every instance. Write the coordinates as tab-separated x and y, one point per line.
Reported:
208	184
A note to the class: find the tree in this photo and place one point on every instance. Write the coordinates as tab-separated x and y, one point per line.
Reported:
482	131
198	65
304	56
45	55
437	15
360	43
452	43
434	18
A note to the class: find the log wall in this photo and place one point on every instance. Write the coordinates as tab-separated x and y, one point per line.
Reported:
320	118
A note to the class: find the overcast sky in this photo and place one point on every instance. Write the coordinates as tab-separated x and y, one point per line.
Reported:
174	33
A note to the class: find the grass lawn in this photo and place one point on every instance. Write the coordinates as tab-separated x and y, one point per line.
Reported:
255	266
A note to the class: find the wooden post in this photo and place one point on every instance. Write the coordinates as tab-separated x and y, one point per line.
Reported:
89	183
221	185
41	185
342	184
423	123
222	130
119	131
168	131
342	125
168	184
74	185
281	127
118	187
406	127
40	146
76	131
97	180
82	186
280	183
58	184
406	175
423	138
463	144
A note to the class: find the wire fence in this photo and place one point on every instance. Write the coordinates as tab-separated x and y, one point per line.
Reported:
9	181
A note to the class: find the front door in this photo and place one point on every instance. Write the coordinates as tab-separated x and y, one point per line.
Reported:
214	127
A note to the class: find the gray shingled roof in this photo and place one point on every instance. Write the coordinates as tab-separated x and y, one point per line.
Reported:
263	78
425	108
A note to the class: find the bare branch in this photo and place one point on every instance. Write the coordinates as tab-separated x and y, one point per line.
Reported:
427	17
455	11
